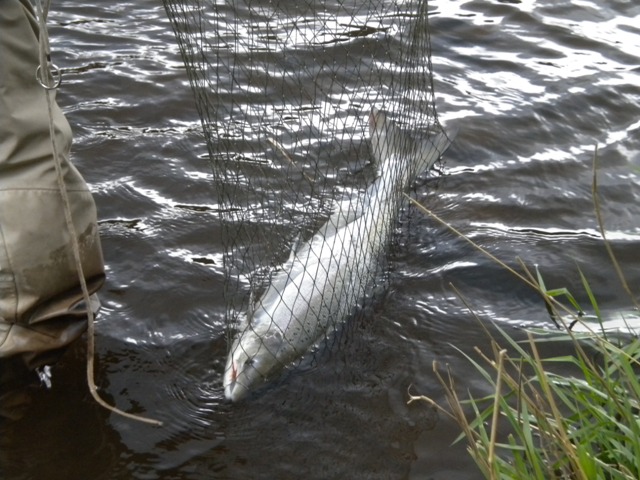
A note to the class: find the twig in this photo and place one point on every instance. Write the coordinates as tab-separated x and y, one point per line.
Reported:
529	282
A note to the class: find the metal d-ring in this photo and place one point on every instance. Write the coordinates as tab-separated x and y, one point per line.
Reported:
56	74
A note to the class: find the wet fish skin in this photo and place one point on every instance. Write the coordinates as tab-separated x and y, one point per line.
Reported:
327	276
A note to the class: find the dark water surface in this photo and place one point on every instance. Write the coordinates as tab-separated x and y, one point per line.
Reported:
533	87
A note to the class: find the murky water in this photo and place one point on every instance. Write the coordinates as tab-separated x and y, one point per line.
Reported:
533	87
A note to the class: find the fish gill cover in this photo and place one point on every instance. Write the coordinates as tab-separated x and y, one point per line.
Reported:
305	107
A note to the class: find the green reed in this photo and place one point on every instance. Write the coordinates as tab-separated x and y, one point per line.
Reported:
538	424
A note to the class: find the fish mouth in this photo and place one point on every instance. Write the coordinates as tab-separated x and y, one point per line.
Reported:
230	380
228	390
234	390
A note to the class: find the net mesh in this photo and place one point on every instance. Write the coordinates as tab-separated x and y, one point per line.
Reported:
285	90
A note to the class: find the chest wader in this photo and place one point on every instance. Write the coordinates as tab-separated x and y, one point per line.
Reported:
41	306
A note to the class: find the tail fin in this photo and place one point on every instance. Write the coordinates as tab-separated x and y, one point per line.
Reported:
428	151
387	141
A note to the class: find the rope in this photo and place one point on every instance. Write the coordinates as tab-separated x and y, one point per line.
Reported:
50	82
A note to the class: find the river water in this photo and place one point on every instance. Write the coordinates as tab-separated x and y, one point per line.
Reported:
533	87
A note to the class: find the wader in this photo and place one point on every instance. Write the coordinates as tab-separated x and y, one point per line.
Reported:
41	306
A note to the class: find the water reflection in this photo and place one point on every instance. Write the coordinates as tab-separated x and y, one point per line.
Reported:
534	86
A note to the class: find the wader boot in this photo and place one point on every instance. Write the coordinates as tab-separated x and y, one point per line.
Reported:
41	306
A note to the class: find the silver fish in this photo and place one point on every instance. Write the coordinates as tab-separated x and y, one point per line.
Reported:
329	275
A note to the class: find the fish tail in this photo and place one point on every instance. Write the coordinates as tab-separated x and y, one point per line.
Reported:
387	140
430	150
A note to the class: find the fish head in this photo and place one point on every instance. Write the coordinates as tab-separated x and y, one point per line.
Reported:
252	361
240	376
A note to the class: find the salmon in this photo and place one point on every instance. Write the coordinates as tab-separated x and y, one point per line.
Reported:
327	276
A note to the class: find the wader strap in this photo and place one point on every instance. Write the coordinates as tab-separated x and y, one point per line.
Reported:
49	82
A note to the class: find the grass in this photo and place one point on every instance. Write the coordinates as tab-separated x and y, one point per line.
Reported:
538	424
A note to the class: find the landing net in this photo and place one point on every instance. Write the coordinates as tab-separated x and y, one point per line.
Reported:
284	89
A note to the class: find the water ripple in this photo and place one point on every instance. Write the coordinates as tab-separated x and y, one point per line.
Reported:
533	86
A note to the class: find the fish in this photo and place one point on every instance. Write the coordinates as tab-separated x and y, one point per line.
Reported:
329	275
